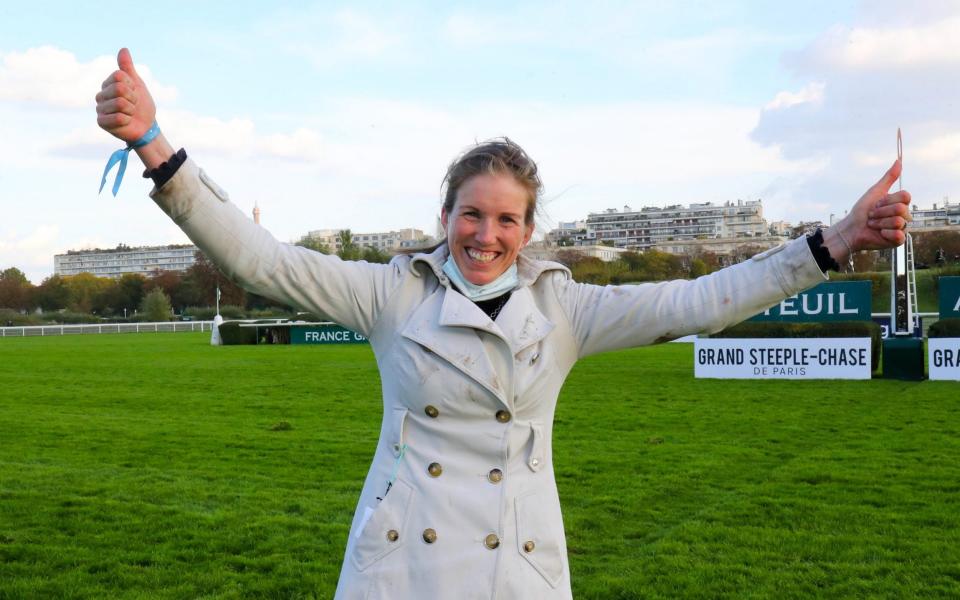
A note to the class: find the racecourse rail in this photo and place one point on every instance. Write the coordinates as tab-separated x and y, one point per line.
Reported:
176	326
165	327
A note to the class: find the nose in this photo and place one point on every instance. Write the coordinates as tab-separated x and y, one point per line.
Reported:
486	232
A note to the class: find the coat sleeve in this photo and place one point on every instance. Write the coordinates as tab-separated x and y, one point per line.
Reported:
613	317
351	293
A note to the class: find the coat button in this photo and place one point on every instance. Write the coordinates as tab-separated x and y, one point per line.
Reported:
392	535
491	541
429	536
528	546
495	475
434	469
431	411
503	416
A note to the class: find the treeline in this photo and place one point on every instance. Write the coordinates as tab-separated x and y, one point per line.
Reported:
133	297
123	298
651	265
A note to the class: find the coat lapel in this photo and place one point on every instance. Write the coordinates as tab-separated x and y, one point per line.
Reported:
446	324
521	321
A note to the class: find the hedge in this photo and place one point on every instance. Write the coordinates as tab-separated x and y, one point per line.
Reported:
944	328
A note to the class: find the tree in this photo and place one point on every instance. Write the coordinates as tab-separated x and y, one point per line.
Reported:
313	243
373	255
52	293
348	249
86	291
156	305
205	277
16	291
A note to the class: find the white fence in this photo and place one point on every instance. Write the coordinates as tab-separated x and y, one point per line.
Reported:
44	330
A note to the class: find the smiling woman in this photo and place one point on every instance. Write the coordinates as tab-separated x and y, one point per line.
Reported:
474	342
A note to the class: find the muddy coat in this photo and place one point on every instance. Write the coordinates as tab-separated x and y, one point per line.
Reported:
472	509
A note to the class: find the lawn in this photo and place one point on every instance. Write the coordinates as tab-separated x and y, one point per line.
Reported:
156	466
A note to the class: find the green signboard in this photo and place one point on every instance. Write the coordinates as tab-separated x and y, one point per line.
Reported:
830	301
949	297
324	334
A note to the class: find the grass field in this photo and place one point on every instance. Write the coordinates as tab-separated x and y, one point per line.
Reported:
155	466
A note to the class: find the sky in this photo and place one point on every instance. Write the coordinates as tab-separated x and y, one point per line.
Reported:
345	115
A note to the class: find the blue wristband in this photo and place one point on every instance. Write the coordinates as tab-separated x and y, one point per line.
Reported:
120	156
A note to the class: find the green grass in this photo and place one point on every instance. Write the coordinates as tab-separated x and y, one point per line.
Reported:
155	466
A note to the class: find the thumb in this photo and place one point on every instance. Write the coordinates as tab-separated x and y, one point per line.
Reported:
892	174
125	62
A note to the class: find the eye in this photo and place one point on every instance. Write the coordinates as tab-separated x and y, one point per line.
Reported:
471	213
507	219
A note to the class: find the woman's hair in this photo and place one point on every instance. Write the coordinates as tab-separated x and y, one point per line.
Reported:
499	156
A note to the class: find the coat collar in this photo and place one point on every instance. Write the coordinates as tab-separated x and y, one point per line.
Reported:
446	322
528	269
521	322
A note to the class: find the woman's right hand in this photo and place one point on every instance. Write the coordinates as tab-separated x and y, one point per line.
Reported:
125	108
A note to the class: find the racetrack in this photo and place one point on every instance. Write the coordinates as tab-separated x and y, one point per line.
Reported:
157	466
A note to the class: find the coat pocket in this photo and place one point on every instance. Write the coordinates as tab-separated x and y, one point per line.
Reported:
385	531
539	530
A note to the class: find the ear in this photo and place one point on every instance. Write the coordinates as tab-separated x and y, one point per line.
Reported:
443	218
528	234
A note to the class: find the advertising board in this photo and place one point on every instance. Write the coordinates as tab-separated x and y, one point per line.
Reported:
944	358
943	354
827	302
781	358
324	334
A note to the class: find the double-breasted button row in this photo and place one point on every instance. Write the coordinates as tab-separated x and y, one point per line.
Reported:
503	416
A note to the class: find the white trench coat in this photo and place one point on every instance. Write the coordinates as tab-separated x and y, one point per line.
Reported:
465	444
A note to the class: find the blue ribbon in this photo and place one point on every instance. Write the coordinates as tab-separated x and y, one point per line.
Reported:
120	156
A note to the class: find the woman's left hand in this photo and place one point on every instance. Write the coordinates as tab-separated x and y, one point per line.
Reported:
877	221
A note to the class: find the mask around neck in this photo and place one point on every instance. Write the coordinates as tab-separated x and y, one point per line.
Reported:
507	281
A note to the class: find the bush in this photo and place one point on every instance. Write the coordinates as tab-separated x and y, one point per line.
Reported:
68	317
10	317
231	311
945	328
841	329
879	281
156	306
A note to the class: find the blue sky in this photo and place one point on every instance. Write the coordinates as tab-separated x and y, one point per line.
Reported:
345	115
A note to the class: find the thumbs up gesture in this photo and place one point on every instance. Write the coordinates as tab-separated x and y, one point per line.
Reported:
125	108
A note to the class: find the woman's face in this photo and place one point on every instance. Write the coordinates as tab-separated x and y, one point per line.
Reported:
486	228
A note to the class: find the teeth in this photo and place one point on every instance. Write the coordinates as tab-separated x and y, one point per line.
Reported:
483	257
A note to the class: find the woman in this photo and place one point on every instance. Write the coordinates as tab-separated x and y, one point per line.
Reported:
473	342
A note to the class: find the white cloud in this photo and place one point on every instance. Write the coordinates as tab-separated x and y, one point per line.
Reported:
865	81
31	252
344	37
486	28
892	47
944	149
53	77
811	93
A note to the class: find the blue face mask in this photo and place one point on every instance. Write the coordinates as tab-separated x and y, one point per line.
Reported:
499	286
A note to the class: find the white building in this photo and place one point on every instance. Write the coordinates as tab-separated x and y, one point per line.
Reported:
123	259
649	226
939	216
387	241
548	251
